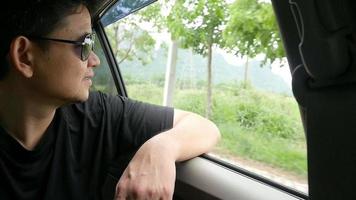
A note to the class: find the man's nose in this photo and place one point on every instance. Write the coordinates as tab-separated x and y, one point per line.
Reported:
93	60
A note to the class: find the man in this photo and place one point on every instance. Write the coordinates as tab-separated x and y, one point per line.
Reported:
58	140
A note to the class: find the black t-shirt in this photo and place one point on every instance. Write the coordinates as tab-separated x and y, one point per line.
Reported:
83	151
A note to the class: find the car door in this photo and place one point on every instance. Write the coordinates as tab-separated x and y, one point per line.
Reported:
320	50
205	177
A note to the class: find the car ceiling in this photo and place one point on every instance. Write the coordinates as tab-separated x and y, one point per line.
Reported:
97	7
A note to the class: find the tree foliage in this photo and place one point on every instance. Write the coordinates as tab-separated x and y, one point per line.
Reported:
197	23
252	30
129	41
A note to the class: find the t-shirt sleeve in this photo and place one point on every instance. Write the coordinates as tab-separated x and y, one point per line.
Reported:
129	124
135	122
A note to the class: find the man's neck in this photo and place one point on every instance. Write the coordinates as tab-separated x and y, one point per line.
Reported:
24	119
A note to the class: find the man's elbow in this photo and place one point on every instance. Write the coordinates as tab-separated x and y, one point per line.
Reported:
215	132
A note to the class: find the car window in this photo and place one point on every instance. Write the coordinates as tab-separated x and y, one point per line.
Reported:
163	61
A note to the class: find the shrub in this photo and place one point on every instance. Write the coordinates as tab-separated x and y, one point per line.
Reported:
248	114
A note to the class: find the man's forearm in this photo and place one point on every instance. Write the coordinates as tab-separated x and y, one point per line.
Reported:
191	135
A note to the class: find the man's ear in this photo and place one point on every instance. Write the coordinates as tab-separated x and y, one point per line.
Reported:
21	56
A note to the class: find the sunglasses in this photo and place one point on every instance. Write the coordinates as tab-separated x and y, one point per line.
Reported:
87	45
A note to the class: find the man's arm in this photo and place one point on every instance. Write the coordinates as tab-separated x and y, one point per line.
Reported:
191	135
151	172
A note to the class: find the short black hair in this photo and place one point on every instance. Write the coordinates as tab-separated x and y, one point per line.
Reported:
31	17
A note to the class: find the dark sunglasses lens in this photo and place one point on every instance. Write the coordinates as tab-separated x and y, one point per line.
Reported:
87	48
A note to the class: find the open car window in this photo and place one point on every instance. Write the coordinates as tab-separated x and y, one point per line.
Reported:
251	98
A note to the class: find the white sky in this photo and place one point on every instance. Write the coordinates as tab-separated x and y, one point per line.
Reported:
283	71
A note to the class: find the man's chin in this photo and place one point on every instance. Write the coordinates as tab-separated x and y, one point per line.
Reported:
83	96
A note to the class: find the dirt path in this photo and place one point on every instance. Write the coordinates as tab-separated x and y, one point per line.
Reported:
278	175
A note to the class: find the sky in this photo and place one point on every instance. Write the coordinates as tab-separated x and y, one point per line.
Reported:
279	68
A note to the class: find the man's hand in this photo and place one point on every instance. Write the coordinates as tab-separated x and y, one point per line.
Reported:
150	174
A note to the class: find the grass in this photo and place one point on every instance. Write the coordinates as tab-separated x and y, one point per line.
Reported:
277	152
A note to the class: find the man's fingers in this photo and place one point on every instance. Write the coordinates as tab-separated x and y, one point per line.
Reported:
119	196
142	193
120	193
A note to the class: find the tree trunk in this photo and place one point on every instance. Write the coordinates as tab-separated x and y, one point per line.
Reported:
209	92
117	39
246	73
170	74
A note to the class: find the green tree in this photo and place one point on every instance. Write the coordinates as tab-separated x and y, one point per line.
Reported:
198	24
129	41
252	30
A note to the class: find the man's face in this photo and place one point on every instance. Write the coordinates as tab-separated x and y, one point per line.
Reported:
59	73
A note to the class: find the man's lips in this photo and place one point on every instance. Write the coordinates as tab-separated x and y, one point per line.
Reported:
89	76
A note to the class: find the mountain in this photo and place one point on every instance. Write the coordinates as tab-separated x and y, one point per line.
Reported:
192	68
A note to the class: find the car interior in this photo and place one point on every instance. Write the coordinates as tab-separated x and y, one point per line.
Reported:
319	40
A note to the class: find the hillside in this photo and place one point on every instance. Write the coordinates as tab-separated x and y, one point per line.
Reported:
193	67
